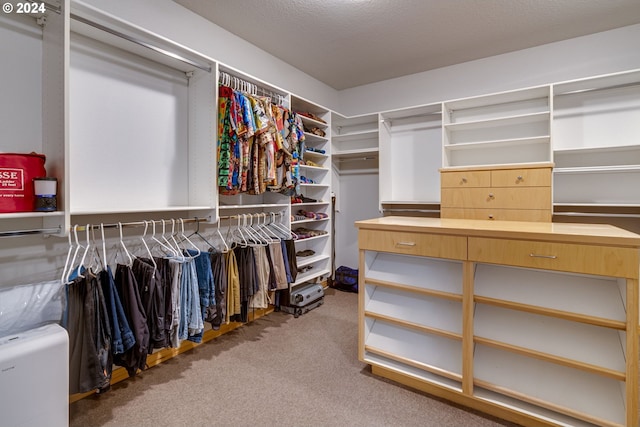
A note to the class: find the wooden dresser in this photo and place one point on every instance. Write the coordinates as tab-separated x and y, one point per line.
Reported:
513	193
533	322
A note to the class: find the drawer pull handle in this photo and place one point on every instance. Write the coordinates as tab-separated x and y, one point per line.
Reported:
464	180
520	178
542	256
405	243
491	195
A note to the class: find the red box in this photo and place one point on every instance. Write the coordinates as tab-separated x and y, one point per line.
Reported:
16	180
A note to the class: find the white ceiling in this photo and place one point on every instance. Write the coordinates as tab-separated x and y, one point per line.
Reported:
347	43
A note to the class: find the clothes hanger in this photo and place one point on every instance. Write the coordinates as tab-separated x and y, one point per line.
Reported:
185	238
158	241
146	226
66	262
174	250
86	250
122	245
268	230
197	233
75	254
226	247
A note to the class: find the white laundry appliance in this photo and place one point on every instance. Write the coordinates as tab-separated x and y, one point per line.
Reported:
34	378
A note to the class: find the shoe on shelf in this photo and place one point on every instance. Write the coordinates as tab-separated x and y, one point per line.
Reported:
306	252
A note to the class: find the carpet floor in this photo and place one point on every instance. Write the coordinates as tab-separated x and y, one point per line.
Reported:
275	371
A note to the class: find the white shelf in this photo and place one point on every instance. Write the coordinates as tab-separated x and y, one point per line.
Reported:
571	293
594	345
559	386
355	136
313	154
309	120
410	371
307	239
255	206
421	348
310	275
313	138
541	139
354	153
425	273
414	308
140	210
598	169
314	168
303	261
312	185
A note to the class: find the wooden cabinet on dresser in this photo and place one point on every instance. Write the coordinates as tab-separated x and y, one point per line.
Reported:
516	193
533	322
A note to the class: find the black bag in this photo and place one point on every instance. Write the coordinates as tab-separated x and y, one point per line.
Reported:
346	279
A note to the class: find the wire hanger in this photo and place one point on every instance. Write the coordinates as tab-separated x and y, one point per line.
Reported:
122	245
146	226
224	242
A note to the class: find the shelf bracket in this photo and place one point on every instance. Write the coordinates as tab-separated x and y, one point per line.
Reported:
41	20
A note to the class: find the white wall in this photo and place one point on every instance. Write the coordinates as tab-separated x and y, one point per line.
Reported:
600	53
170	20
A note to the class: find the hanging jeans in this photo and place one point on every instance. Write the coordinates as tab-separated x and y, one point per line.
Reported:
190	315
90	357
206	289
122	338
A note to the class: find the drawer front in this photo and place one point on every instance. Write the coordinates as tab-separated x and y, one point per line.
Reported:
589	259
459	179
521	177
498	214
502	198
431	245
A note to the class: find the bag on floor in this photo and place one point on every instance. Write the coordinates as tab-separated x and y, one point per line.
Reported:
346	279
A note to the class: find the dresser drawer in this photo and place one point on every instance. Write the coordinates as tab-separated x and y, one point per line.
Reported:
421	244
589	259
521	177
503	198
457	179
535	215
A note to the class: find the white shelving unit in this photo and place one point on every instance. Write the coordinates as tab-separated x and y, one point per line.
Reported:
119	142
318	266
503	128
596	127
33	81
410	154
354	143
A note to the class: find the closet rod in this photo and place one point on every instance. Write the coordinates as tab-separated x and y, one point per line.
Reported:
45	231
227	76
250	214
411	210
594	89
596	214
204	67
79	227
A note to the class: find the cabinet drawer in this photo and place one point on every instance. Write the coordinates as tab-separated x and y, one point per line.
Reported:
503	198
498	214
521	177
431	245
458	179
577	258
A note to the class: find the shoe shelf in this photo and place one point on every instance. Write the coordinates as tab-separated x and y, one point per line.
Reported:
313	274
309	220
304	261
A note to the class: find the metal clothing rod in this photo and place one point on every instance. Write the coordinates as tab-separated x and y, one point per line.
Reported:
239	216
228	79
45	231
596	214
594	89
204	67
136	223
411	210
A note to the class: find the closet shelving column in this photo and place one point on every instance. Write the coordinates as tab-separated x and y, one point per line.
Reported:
596	128
142	136
314	232
410	144
354	142
33	82
245	203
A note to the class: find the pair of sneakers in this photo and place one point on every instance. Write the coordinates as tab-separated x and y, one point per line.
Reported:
305	253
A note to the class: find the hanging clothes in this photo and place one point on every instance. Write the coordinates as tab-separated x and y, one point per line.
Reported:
260	299
152	297
122	338
206	289
219	272
290	246
87	323
233	286
136	357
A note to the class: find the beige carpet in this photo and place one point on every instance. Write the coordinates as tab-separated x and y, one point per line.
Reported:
275	371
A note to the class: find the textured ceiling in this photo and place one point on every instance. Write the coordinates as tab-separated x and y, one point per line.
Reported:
347	43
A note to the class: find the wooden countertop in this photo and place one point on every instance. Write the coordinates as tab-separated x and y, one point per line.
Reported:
602	234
